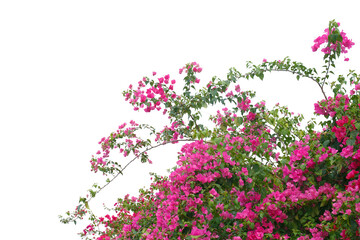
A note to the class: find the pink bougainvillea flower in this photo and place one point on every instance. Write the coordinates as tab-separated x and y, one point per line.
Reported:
213	192
345	44
351	174
251	177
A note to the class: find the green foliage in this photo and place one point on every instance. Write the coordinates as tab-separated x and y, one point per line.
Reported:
254	175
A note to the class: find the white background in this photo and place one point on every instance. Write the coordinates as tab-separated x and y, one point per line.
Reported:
64	65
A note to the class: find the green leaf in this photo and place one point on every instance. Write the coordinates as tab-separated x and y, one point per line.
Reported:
350	142
354	134
195	237
326	143
92	193
238	121
261	76
78	207
252	225
217	140
303	166
324	202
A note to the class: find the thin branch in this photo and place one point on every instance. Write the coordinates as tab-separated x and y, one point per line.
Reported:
148	149
327	72
196	125
300	74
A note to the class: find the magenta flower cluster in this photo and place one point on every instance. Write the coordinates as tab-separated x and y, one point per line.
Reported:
254	175
345	44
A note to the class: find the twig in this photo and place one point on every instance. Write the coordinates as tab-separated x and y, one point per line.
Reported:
148	149
300	74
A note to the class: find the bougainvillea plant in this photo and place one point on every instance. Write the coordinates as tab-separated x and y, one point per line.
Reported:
255	173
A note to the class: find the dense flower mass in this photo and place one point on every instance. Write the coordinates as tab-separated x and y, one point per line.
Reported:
334	41
254	174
